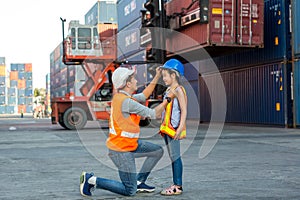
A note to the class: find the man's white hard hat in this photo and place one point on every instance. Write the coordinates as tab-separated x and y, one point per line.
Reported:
120	76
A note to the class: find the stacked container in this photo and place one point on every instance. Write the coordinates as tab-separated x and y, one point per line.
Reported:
47	102
295	25
2	86
20	91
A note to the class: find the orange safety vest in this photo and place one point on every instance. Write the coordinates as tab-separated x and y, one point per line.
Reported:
123	132
166	126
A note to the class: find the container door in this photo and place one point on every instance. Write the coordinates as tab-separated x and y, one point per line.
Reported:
250	22
222	22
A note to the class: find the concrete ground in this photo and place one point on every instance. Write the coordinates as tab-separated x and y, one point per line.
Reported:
39	160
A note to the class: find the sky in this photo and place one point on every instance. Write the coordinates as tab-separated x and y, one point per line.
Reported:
31	29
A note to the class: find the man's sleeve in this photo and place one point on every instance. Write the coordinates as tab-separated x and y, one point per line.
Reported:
134	107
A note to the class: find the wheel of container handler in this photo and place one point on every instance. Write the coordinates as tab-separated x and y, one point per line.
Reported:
74	118
62	124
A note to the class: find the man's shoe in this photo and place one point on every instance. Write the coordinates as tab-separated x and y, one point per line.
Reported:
85	187
142	187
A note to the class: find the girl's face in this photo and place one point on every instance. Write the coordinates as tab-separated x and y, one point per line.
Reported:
168	78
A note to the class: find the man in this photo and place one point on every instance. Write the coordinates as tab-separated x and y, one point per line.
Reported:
123	142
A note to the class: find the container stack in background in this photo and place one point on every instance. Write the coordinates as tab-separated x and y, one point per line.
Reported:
257	80
295	25
3	98
20	92
47	96
65	78
128	37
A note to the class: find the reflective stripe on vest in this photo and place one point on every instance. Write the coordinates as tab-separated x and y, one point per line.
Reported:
166	127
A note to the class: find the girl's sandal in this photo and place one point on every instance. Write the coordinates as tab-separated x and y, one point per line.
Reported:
172	190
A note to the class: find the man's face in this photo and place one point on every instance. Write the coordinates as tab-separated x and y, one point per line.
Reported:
132	83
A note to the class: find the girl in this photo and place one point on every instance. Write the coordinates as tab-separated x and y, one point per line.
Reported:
173	126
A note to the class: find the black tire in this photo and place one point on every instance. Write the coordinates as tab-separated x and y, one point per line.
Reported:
62	124
74	118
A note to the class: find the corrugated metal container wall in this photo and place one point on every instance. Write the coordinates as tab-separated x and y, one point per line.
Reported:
2	60
296	92
296	27
2	80
13	67
2	100
12	100
13	83
230	23
102	12
21	67
254	95
2	90
29	109
107	30
141	70
128	40
21	92
2	109
129	11
10	109
276	39
11	91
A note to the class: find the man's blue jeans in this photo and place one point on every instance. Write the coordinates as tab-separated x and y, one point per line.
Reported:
173	147
125	162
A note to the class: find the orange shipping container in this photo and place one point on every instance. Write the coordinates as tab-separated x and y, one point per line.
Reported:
2	70
107	30
13	75
21	108
21	84
28	67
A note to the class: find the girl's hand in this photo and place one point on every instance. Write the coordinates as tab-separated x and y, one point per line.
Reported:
177	136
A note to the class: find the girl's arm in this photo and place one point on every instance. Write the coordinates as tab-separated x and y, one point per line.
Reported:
183	108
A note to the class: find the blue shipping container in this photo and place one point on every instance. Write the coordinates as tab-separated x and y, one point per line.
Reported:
277	35
28	100
2	100
14	67
12	91
2	60
10	109
2	109
29	83
2	90
142	75
129	11
28	92
296	27
296	92
21	67
21	100
102	12
192	91
254	95
28	75
21	75
2	80
21	92
29	109
13	83
128	40
12	100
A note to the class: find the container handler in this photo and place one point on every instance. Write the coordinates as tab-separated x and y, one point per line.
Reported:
84	47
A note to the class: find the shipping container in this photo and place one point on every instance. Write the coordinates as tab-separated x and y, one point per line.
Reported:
13	75
21	67
28	83
13	83
28	100
12	91
229	23
254	95
128	40
296	92
2	70
295	23
192	91
29	109
10	109
28	67
21	92
2	80
2	100
2	90
129	11
22	84
28	75
12	100
2	108
142	75
21	100
102	12
2	60
21	75
21	108
107	30
28	92
13	67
